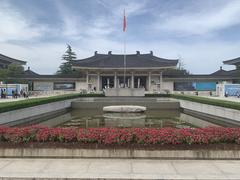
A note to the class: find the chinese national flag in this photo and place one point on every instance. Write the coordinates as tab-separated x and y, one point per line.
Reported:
124	22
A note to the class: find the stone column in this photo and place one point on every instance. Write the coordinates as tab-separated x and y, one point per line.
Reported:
108	82
128	83
98	81
149	81
161	82
115	80
132	81
138	83
87	79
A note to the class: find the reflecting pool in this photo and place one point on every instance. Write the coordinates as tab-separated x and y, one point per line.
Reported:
151	118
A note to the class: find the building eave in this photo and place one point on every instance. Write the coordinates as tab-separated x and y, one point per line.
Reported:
122	68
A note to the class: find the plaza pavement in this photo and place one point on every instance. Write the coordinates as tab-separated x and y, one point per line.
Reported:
9	99
234	99
118	169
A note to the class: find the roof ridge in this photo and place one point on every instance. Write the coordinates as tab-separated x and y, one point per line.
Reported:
157	58
92	60
11	58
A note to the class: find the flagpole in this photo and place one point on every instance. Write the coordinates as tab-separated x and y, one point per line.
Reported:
124	58
124	52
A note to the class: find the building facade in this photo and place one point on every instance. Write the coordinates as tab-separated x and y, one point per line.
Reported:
147	71
104	71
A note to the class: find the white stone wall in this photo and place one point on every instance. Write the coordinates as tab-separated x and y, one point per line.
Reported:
15	115
154	81
168	85
81	86
43	86
211	110
93	81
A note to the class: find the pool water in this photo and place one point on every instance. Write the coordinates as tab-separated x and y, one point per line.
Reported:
88	118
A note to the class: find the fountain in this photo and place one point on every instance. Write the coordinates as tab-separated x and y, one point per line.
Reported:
124	108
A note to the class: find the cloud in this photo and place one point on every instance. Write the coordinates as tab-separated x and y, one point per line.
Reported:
77	26
99	28
198	23
70	22
133	7
15	27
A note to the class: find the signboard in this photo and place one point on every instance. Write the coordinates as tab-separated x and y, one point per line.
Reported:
194	86
232	89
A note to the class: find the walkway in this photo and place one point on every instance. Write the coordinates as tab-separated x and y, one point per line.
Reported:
119	169
234	99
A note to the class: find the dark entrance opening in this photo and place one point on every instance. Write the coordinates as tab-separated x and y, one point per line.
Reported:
107	82
140	82
127	81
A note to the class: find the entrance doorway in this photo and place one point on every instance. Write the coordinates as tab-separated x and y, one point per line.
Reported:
107	82
121	81
140	82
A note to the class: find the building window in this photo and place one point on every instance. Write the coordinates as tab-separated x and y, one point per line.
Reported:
64	86
194	86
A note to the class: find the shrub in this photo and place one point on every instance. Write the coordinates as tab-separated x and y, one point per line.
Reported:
121	136
157	95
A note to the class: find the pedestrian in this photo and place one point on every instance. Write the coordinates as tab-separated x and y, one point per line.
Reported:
21	93
4	94
13	93
1	93
16	94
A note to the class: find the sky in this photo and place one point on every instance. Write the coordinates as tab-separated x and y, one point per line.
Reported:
201	33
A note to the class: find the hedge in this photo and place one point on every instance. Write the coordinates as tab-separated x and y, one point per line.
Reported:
157	95
205	100
121	136
9	106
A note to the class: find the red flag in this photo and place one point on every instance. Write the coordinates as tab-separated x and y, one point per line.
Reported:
124	22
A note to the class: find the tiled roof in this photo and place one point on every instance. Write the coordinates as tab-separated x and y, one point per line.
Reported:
11	60
235	61
117	61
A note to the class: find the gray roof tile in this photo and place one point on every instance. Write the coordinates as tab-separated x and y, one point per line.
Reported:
117	61
11	60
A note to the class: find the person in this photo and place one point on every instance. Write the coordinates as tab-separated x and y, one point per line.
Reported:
2	93
13	93
226	94
21	93
16	94
238	94
94	88
25	95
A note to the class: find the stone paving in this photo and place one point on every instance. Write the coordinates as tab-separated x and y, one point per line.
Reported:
234	99
118	169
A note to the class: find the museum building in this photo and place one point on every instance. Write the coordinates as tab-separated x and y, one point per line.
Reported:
147	71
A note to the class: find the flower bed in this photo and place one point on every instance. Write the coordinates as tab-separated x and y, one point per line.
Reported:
121	136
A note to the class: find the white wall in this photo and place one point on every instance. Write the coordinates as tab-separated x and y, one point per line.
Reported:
168	85
93	81
42	86
24	113
81	86
211	110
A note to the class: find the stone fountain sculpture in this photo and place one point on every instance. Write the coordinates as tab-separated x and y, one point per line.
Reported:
124	108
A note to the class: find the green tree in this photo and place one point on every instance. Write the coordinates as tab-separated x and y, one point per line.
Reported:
68	58
179	71
12	73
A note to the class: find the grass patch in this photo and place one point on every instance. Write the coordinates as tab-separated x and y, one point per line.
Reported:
10	106
205	100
